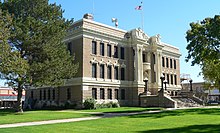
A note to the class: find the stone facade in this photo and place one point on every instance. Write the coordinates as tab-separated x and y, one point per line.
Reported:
113	64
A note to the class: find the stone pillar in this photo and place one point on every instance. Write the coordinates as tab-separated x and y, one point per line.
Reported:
138	63
149	71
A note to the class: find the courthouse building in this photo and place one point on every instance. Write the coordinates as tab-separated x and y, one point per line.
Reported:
112	66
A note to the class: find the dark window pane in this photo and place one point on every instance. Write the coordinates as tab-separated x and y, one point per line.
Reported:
32	94
122	53
109	50
102	71
144	57
122	73
174	64
109	76
44	94
53	94
40	95
171	78
102	93
69	47
109	93
68	94
154	58
122	94
48	94
94	93
94	70
168	79
171	63
102	49
94	47
175	79
163	62
116	73
116	93
115	52
167	62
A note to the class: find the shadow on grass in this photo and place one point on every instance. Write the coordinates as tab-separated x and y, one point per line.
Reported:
4	112
132	111
188	129
213	111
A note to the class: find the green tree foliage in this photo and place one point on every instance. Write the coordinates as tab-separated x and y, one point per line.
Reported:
37	34
204	47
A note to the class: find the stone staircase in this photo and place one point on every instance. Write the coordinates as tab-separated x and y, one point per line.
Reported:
185	102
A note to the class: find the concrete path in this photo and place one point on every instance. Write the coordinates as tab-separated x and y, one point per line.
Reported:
103	115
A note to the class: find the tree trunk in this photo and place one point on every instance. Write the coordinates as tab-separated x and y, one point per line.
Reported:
19	101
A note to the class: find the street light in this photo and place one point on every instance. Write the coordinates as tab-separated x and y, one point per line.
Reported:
165	83
190	81
162	78
145	88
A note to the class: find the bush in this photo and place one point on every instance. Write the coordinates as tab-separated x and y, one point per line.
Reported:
89	103
107	105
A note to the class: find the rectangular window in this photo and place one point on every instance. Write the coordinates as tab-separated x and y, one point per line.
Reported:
102	71
40	95
175	79
122	73
163	62
122	94
155	77
122	53
109	50
48	94
174	64
167	62
109	72
171	78
168	79
115	51
116	72
53	94
154	58
69	47
94	93
68	94
94	47
32	94
94	70
109	93
102	93
44	94
144	57
102	49
116	93
171	63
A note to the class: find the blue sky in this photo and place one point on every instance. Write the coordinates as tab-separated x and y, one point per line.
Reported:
169	18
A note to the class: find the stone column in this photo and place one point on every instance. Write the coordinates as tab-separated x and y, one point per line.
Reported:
138	64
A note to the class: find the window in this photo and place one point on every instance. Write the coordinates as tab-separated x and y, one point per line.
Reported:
155	77
122	73
116	72
48	94
115	52
69	47
171	78
163	62
167	63
32	94
53	94
109	50
154	58
122	53
44	94
109	93
174	64
116	93
102	71
109	72
94	70
175	79
40	95
68	94
94	47
168	79
144	57
171	63
122	94
102	93
102	49
94	93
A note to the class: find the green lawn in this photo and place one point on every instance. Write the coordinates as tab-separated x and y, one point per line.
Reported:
178	121
9	116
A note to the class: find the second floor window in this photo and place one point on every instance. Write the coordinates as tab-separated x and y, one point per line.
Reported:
122	53
171	63
174	64
115	51
116	72
102	49
102	71
167	62
122	73
163	62
109	73
94	70
168	79
109	50
94	47
175	79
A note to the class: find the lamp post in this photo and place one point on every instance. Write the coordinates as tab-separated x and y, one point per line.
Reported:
190	81
165	83
145	88
162	78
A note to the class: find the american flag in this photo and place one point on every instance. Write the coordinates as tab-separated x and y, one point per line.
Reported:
139	7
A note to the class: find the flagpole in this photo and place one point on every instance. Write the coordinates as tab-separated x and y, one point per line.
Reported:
142	16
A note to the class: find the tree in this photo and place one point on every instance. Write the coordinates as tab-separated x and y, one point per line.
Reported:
38	30
204	47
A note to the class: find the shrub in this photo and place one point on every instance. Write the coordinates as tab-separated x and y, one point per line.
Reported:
89	103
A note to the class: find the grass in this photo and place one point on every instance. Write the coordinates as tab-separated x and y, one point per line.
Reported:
177	121
9	116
